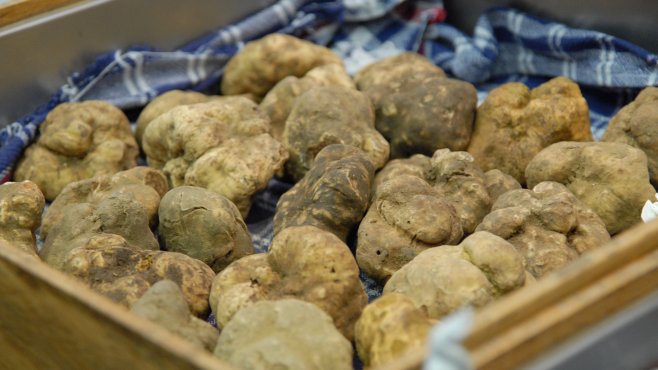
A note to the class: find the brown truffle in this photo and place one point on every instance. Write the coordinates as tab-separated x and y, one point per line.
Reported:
637	125
388	327
285	334
165	305
515	123
203	225
143	184
78	141
419	109
262	63
610	178
548	225
21	205
331	115
440	280
332	196
303	262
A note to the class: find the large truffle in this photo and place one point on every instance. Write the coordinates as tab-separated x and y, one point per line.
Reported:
114	268
165	305
203	225
142	184
419	109
515	123
637	125
388	327
262	63
278	102
610	178
332	196
21	205
117	215
78	141
443	279
222	145
286	334
331	115
548	225
303	262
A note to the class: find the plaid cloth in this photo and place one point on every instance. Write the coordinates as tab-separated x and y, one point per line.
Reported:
507	46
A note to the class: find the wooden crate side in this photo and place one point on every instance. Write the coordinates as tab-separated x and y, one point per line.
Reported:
50	321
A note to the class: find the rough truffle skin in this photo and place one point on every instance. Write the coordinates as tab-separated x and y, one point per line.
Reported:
203	225
636	124
406	217
143	184
548	225
278	102
331	115
303	262
388	327
333	195
264	62
285	334
418	109
165	305
162	104
21	205
610	178
123	273
116	216
440	280
78	141
515	123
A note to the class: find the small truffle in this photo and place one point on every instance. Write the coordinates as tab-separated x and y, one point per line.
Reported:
165	305
203	225
286	334
78	141
388	327
21	205
515	123
548	225
331	115
440	280
332	196
418	109
610	178
262	63
303	262
637	125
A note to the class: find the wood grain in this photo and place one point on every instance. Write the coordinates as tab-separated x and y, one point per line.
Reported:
18	10
50	321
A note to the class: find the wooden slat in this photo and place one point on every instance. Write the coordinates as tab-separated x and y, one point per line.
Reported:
531	321
18	10
50	321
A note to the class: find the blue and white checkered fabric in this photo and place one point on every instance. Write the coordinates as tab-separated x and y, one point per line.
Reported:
507	46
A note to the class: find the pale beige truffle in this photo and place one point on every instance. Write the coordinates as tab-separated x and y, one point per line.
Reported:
440	280
142	184
303	262
636	124
78	141
388	327
610	178
515	123
123	273
331	115
203	225
548	225
264	62
278	102
21	205
165	305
